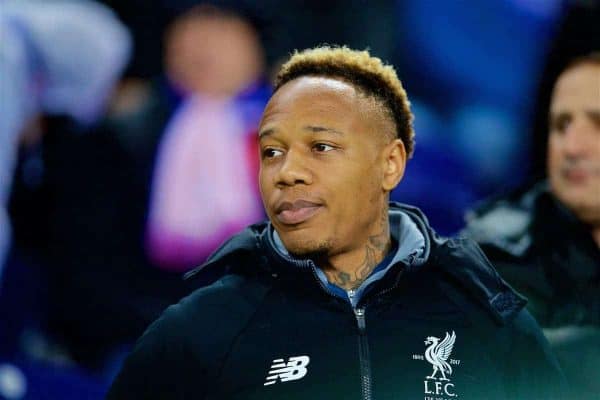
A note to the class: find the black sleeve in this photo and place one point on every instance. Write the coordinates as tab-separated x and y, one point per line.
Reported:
533	372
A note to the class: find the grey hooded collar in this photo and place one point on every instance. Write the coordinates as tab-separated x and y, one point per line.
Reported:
412	249
410	252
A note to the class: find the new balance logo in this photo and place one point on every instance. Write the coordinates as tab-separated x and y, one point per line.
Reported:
293	370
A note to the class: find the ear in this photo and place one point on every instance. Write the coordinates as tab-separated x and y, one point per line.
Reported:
394	162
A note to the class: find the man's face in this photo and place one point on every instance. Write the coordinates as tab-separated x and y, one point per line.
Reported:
324	173
574	141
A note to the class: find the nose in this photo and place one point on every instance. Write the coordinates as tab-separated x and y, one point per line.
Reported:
293	171
576	137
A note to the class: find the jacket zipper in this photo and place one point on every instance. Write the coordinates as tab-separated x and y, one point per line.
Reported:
366	381
364	357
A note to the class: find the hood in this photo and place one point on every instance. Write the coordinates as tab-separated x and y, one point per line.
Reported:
460	260
245	245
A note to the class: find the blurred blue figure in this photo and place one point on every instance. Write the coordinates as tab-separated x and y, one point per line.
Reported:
478	64
436	180
485	136
57	57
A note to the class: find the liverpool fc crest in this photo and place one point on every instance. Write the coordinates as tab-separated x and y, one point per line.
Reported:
438	384
438	354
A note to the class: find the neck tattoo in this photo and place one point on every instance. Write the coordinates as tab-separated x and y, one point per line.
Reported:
376	249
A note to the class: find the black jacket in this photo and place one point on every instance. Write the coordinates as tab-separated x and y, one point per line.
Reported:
547	254
270	329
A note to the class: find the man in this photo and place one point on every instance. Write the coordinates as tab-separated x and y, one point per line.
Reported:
545	239
340	295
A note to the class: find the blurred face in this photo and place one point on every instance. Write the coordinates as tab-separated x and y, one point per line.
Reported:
215	56
326	166
574	141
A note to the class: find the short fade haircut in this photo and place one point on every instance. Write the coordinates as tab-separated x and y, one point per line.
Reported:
365	72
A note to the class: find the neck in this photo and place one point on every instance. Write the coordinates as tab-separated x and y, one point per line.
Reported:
349	270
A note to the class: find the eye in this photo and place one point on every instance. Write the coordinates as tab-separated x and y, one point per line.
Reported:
323	147
271	153
560	123
594	116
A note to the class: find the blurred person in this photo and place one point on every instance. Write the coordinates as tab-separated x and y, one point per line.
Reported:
341	294
99	186
214	60
544	239
58	58
578	33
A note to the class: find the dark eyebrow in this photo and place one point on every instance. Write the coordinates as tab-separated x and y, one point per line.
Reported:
265	133
310	128
316	129
559	114
593	113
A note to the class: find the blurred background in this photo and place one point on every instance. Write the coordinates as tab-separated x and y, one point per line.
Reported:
128	147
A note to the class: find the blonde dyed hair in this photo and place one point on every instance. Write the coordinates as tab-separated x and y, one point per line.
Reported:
367	73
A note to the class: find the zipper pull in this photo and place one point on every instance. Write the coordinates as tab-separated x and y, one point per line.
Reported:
360	319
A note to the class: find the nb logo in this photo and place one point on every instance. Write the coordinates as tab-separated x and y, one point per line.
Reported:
293	370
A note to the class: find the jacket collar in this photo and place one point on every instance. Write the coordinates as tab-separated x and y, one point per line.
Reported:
460	259
413	244
410	252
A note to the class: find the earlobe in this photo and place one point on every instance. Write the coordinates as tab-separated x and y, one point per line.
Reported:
395	162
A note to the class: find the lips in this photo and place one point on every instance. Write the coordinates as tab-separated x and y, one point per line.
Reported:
576	175
293	213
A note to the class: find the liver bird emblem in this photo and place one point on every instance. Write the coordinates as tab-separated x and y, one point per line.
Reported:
438	353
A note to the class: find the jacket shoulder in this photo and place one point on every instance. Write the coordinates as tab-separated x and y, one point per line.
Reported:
470	277
238	295
216	312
